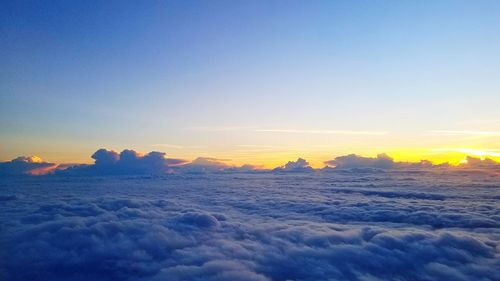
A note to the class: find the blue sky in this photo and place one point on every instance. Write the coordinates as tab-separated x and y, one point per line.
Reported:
251	81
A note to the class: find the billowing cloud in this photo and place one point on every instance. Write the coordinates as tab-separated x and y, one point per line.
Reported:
128	162
26	165
301	165
105	157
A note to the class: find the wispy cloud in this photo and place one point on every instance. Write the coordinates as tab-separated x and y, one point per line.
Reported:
167	145
481	122
175	146
465	133
471	151
255	146
324	132
220	129
287	131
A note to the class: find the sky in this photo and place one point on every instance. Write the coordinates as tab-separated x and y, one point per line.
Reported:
258	82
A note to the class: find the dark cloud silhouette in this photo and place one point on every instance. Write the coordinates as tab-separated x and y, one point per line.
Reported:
24	165
105	157
128	162
301	165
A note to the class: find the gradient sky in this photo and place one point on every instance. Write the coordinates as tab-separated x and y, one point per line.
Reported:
259	82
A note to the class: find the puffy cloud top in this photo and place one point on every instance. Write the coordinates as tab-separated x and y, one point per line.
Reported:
105	157
301	165
26	165
108	162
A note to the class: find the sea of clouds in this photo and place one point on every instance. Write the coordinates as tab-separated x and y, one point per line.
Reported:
308	225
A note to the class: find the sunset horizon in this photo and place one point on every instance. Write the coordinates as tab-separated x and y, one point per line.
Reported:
250	140
446	156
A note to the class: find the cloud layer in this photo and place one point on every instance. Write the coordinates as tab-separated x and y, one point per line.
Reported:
341	226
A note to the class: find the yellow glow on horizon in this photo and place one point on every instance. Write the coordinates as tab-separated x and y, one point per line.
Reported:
471	152
270	156
316	159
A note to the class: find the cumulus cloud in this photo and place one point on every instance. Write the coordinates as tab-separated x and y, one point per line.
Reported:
128	162
105	157
382	161
478	163
386	226
26	165
301	165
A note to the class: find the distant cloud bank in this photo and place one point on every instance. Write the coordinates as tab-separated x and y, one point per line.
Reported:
382	161
23	165
130	162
